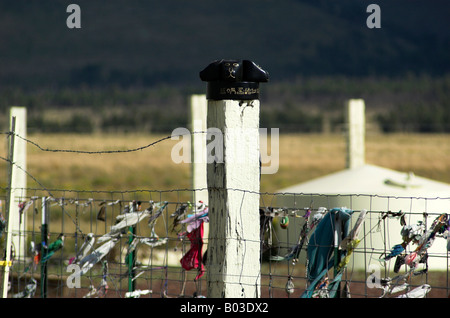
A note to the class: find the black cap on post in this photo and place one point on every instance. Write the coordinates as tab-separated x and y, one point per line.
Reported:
233	79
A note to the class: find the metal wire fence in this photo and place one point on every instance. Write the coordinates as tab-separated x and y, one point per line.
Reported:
141	243
151	255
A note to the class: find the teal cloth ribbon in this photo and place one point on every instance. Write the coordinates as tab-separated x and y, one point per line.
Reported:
321	249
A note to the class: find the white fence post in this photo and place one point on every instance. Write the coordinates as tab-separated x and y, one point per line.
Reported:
233	174
7	262
16	234
19	182
198	147
356	126
198	154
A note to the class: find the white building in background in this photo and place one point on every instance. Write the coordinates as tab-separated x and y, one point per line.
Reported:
364	186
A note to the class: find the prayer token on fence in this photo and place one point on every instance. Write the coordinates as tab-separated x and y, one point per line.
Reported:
284	222
289	286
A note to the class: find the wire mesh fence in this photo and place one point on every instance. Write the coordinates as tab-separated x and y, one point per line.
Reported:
139	244
154	243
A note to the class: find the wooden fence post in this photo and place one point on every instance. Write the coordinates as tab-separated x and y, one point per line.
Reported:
233	172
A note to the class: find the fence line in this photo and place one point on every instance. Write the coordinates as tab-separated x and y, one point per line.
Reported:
105	151
118	151
76	214
77	217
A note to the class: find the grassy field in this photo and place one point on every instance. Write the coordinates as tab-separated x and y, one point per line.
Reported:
302	157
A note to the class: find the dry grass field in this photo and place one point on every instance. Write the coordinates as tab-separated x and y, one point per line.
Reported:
302	157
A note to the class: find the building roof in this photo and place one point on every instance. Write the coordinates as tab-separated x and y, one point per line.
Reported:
373	180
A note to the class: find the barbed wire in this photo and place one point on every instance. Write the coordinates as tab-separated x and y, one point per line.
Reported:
28	174
35	144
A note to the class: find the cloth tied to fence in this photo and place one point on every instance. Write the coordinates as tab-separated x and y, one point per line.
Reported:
193	258
321	248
